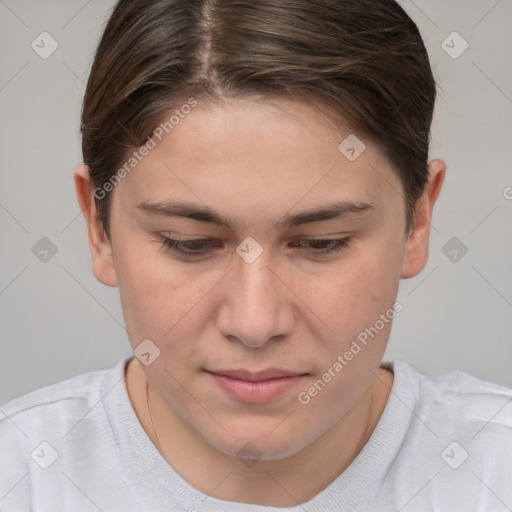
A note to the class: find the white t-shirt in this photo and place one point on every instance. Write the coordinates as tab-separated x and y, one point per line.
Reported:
443	443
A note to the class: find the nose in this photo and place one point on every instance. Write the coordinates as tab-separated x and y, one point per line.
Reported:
256	307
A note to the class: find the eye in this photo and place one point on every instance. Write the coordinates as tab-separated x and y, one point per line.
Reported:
202	247
189	248
321	247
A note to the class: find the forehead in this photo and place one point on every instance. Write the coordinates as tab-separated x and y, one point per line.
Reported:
279	150
251	124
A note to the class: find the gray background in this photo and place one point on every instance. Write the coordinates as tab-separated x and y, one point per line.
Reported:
58	321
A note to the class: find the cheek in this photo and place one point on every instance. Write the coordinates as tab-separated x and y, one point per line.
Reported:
350	297
159	297
357	305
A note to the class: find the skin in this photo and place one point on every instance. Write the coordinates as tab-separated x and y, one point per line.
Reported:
255	162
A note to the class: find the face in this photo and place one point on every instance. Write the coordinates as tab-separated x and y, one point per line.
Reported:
269	269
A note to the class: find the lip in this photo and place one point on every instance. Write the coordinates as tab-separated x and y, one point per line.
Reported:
270	373
256	387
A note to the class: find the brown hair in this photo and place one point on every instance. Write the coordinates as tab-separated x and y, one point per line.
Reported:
363	59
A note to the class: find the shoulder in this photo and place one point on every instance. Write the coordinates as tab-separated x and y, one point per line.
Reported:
454	412
461	397
73	394
52	411
51	433
450	435
459	431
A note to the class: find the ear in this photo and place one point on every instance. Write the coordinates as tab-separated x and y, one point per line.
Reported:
99	244
416	249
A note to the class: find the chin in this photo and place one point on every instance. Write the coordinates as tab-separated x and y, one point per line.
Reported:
246	444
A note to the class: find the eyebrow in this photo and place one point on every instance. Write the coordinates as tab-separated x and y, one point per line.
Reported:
204	214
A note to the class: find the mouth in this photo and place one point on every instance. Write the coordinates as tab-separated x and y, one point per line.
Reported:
255	387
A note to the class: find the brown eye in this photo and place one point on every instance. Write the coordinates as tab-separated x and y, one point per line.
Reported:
322	247
189	248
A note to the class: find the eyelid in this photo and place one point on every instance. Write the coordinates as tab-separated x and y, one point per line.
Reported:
338	245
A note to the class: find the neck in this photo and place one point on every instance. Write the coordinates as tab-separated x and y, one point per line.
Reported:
280	482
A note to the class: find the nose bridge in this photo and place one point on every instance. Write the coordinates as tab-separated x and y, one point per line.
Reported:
256	282
256	295
255	309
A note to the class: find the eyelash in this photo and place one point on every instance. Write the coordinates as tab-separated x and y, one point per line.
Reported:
177	246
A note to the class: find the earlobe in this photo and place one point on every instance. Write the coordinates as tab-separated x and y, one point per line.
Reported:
416	250
99	244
